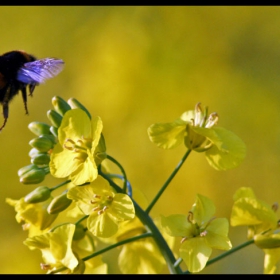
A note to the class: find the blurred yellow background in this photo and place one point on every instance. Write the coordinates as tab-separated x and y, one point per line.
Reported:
135	66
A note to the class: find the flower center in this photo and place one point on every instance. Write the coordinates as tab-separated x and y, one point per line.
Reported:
194	140
197	230
79	147
202	119
101	203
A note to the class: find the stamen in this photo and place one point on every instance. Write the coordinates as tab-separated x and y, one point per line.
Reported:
212	120
71	147
198	115
192	122
97	208
207	224
184	239
204	233
81	159
190	217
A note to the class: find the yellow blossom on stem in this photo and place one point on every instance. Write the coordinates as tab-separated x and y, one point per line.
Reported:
105	207
198	130
200	232
81	148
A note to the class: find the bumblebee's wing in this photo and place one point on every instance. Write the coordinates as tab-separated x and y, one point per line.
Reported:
40	70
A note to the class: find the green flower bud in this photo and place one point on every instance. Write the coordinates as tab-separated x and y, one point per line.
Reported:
54	131
54	118
39	128
33	152
74	103
49	136
59	203
60	105
42	144
33	176
26	169
40	194
41	159
80	232
267	241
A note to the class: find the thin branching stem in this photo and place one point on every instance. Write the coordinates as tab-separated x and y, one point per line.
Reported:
128	240
122	170
149	208
60	185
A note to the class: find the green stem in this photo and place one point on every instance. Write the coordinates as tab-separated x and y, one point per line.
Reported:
151	227
122	170
134	238
167	182
83	218
231	251
60	185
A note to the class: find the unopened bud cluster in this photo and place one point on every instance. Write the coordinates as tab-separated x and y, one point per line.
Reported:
42	145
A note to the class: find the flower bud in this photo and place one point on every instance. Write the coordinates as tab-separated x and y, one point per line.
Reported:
74	103
49	136
42	144
54	131
26	168
267	241
41	159
59	203
39	128
60	105
80	232
33	152
33	176
54	118
40	194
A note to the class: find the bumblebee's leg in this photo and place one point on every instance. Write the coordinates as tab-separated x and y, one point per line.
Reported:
5	105
24	98
31	89
5	113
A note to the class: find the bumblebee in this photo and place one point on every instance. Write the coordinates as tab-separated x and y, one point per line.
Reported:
18	70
